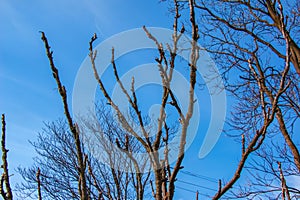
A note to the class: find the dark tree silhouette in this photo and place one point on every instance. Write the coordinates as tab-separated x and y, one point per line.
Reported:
57	168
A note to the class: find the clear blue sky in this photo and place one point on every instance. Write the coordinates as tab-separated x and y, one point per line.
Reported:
28	91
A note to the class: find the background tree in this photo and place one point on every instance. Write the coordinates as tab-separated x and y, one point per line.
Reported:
56	161
270	174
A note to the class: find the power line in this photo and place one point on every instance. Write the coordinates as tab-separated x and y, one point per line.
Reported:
214	180
188	190
200	186
194	192
207	178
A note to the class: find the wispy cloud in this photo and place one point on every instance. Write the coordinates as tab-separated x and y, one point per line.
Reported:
103	16
15	26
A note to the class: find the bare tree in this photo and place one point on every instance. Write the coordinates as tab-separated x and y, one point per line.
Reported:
64	163
108	132
57	168
57	162
264	178
255	43
164	175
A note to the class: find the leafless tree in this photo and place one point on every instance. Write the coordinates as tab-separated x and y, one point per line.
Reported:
266	178
164	175
118	154
57	163
255	43
57	168
64	164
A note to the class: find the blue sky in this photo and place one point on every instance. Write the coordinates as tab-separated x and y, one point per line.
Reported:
28	91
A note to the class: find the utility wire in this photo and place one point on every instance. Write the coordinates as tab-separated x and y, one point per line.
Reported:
193	184
207	178
214	180
188	190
